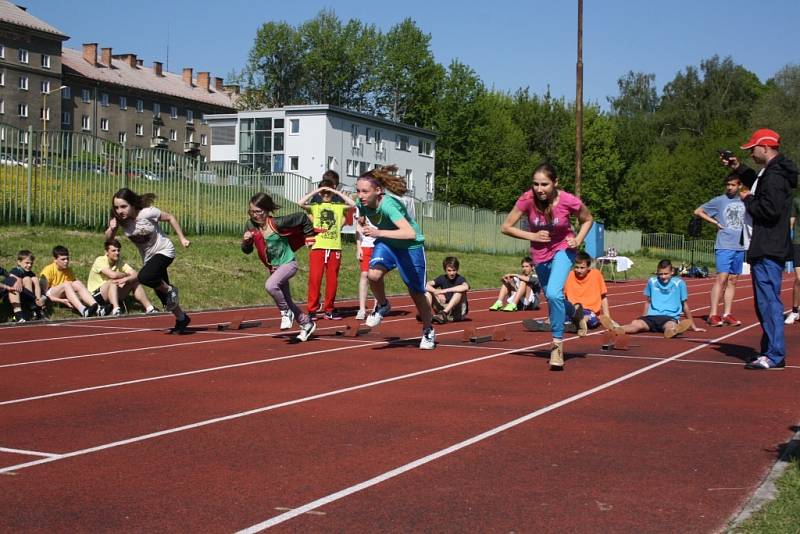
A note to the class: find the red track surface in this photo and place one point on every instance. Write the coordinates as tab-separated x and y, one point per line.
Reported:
113	425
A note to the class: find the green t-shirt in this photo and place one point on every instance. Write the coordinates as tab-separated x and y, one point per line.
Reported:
795	212
384	216
329	216
278	250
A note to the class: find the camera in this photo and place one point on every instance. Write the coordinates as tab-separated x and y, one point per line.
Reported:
725	154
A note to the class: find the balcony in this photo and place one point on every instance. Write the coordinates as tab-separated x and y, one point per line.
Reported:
191	147
157	120
158	142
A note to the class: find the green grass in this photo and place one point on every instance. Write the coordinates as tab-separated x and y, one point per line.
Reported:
781	515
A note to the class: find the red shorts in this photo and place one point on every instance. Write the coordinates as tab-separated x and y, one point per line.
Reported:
366	255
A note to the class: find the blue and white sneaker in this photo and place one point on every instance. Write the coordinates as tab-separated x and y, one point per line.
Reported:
378	314
172	299
428	340
764	363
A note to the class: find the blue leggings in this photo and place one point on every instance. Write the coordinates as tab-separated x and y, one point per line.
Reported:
552	276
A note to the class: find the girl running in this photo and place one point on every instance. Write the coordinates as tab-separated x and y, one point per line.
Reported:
398	243
139	219
275	239
553	243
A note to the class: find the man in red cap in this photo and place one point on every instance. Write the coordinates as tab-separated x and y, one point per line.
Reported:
767	196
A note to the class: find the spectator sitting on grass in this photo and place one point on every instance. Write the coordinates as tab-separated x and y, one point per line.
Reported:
63	287
30	296
110	281
523	287
10	286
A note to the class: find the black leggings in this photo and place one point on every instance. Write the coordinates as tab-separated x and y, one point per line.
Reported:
154	272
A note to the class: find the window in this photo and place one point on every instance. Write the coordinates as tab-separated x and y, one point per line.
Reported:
294	163
173	112
277	142
123	102
156	109
278	124
23	56
140	106
156	131
368	135
173	135
86	95
401	142
190	116
332	163
354	135
2	77
425	147
45	61
44	114
363	167
122	137
104	99
23	138
294	126
204	139
139	130
351	167
190	136
2	133
22	109
66	118
378	141
2	106
66	92
86	122
45	86
104	124
429	182
410	179
23	83
2	52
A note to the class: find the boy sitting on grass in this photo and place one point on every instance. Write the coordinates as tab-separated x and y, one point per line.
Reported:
516	288
63	287
447	294
110	281
30	296
666	297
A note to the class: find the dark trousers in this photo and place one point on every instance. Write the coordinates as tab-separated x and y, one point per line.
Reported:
154	272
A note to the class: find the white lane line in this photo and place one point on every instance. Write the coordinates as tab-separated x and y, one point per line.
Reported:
262	409
28	453
313	505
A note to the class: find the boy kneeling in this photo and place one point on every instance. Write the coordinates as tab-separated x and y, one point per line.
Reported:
447	294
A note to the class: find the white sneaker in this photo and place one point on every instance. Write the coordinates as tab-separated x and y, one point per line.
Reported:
791	318
306	330
287	318
378	314
428	340
116	312
361	315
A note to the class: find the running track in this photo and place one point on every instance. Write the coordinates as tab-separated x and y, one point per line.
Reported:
111	425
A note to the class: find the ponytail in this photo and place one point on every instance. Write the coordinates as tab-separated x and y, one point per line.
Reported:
386	178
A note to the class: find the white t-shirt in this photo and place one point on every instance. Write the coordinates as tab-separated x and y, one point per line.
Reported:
366	240
145	233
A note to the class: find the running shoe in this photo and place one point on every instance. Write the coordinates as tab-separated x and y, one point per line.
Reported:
792	317
287	318
116	312
496	306
428	340
730	320
378	314
557	357
172	299
333	316
361	315
763	363
714	320
510	307
180	326
306	330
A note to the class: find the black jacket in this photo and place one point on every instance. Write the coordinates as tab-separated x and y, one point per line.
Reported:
769	207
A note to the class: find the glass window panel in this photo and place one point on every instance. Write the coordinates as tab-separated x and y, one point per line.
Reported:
246	142
278	124
262	142
246	125
277	142
264	124
277	163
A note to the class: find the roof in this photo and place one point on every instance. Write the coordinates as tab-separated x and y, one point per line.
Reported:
14	14
142	78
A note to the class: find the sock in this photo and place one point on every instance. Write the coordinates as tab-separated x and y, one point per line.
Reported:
181	316
794	309
150	308
81	309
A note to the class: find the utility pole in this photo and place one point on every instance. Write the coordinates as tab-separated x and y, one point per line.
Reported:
579	103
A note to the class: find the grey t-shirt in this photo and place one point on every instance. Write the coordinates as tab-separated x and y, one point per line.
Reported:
145	233
728	211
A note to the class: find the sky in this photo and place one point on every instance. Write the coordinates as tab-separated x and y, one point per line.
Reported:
509	44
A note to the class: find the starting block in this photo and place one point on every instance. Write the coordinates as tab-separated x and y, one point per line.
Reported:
238	323
615	341
353	329
470	335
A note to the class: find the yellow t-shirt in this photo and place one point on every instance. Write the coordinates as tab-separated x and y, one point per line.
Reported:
55	277
96	276
330	217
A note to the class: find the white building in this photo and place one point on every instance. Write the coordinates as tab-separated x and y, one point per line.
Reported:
308	140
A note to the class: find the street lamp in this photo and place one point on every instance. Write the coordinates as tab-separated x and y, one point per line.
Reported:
45	114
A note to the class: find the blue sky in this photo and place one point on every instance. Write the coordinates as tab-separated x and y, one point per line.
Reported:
509	44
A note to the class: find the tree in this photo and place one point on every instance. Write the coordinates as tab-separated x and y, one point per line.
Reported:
779	109
274	71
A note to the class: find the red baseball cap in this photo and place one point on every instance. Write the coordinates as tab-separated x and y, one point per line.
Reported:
763	137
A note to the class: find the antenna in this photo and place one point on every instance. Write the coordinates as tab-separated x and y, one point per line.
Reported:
167	69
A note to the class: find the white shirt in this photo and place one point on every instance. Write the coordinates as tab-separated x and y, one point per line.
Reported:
145	233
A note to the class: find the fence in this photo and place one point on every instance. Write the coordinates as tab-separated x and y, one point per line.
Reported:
678	248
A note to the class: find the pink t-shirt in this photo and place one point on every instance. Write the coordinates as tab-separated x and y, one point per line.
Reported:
559	228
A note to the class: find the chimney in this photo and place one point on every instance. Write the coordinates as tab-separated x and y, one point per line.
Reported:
202	80
129	59
105	57
90	53
187	76
218	84
139	62
157	68
231	89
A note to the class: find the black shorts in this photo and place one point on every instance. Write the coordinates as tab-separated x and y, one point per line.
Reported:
656	322
796	255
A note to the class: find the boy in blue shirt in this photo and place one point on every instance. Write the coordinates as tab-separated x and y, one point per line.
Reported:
666	298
